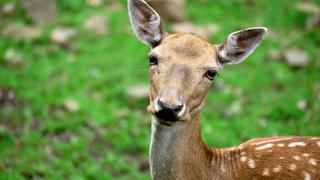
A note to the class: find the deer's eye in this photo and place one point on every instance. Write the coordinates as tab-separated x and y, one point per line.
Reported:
153	60
211	74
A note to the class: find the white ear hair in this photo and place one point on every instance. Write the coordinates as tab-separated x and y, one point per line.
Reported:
146	22
239	45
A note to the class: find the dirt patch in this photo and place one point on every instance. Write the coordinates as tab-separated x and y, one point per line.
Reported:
7	97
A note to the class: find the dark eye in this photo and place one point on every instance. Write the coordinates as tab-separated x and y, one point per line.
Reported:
210	74
153	60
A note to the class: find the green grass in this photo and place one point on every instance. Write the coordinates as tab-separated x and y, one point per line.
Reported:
108	137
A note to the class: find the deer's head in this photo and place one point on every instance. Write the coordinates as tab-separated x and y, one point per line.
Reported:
183	65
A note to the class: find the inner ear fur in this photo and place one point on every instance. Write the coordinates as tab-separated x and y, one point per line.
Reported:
145	22
239	45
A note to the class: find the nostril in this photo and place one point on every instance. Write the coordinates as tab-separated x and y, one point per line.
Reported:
165	106
160	103
178	108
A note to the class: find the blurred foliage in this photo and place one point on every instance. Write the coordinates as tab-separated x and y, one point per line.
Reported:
107	137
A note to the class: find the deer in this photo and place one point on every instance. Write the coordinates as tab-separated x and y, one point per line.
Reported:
182	69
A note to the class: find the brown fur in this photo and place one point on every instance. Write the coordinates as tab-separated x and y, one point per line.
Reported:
176	68
180	79
188	157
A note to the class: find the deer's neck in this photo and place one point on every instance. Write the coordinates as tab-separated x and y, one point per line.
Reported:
178	152
175	151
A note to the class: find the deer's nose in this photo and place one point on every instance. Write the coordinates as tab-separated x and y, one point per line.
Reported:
171	107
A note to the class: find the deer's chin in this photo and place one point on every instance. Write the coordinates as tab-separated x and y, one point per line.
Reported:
167	115
168	122
168	118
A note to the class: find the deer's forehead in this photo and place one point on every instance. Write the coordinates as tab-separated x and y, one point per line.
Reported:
187	47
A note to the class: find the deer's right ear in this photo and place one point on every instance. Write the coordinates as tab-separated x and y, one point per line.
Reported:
145	22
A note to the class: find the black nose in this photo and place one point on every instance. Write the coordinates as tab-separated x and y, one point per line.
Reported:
171	107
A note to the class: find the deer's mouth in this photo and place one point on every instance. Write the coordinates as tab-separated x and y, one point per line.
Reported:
166	116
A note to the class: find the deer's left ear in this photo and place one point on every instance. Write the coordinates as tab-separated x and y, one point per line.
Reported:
239	45
145	22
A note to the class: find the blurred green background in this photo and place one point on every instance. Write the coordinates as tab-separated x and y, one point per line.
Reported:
72	91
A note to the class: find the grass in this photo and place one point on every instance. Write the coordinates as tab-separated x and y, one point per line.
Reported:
108	137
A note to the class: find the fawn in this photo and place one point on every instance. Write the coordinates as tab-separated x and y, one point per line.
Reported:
182	68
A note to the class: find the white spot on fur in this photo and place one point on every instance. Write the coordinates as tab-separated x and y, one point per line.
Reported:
251	163
281	157
295	144
318	143
243	159
292	167
272	140
305	155
223	168
313	162
264	147
280	145
297	158
306	176
265	172
277	169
